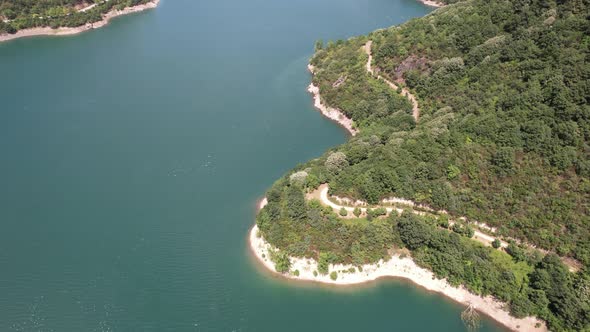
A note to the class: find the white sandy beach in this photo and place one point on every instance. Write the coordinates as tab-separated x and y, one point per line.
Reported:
397	267
47	31
432	3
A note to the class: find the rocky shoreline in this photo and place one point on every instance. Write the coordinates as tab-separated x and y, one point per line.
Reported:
329	112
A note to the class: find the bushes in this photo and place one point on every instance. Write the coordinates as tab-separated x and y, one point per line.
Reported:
463	230
375	213
334	275
496	244
281	260
357	212
324	263
343	212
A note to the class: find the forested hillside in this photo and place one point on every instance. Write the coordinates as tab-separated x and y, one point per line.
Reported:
502	139
21	14
504	131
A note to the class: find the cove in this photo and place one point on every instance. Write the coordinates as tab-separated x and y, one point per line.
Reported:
132	159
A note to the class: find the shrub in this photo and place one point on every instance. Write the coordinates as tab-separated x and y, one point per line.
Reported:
343	212
281	260
324	263
443	221
296	273
496	244
374	213
463	230
453	172
357	212
334	275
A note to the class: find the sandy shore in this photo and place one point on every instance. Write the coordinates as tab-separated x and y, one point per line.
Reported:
329	112
397	267
432	3
47	31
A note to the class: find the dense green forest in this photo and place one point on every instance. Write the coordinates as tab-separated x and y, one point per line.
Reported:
21	14
503	89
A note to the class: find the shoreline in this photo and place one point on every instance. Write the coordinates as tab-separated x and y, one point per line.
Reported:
66	31
329	112
396	267
432	3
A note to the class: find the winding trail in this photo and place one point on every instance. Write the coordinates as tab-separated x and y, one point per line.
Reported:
405	92
322	194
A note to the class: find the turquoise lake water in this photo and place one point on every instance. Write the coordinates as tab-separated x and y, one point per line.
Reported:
132	158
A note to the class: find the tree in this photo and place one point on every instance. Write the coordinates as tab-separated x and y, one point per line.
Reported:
503	160
336	162
324	263
443	221
298	178
453	172
357	212
375	213
296	208
319	45
281	260
496	244
343	212
413	232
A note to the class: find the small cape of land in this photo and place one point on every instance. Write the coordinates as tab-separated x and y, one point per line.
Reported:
399	267
64	31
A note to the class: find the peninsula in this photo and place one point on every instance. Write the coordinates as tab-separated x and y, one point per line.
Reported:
467	167
22	19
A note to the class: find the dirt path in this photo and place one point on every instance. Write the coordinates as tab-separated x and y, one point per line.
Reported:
322	194
405	92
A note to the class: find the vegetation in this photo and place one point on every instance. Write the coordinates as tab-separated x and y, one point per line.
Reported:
22	14
281	260
504	126
357	212
502	138
343	212
496	244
